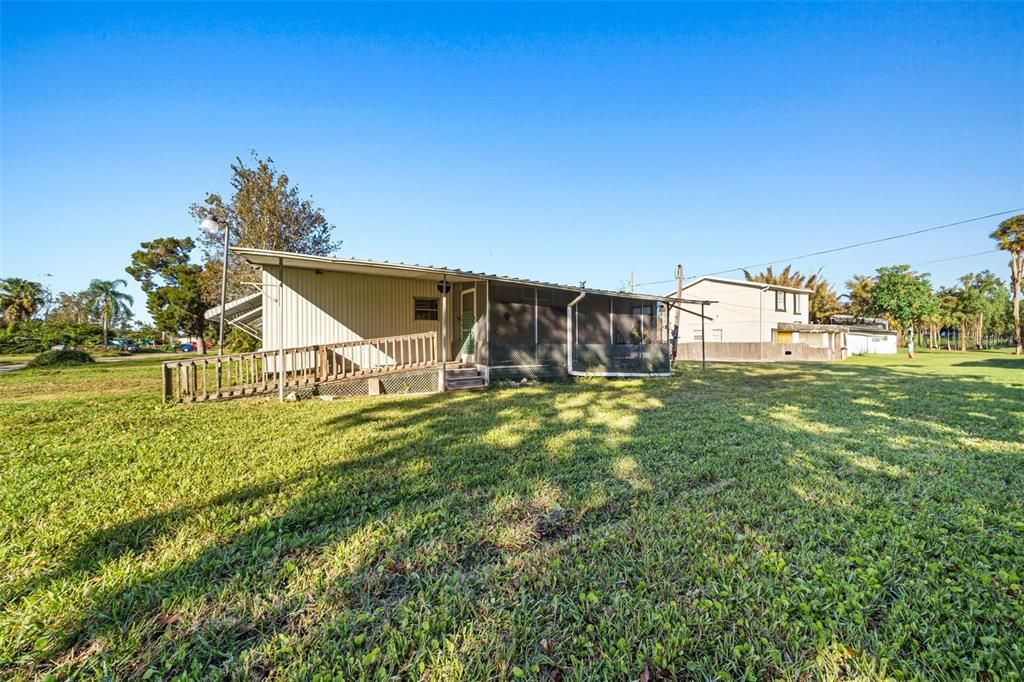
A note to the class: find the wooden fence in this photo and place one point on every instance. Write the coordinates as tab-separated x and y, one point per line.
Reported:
738	351
242	374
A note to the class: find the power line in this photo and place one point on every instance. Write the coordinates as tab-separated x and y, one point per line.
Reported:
848	246
966	255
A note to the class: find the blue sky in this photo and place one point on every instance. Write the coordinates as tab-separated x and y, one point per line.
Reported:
558	142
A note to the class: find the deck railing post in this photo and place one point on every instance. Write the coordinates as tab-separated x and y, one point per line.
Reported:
167	388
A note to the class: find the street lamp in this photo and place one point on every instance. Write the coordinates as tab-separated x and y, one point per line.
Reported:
211	227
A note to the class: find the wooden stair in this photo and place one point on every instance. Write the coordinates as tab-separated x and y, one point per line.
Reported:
464	378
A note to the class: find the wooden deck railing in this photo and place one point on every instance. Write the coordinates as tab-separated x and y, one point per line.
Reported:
230	376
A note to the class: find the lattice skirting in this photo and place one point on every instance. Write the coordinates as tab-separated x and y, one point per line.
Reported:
413	381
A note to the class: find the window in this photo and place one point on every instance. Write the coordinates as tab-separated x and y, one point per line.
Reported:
796	303
424	309
780	301
698	335
716	334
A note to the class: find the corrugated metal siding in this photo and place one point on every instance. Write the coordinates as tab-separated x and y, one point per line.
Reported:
333	306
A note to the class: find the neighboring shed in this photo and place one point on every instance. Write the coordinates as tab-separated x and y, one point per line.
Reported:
830	337
870	341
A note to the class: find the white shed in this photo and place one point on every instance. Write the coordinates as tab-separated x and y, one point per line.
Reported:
870	342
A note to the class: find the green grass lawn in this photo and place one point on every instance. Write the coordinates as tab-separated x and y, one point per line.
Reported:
856	520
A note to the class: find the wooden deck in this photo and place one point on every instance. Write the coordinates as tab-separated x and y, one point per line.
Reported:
220	377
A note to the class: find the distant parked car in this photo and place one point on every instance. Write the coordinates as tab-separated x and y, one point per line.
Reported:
191	346
129	345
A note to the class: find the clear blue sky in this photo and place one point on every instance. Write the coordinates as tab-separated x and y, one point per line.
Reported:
555	142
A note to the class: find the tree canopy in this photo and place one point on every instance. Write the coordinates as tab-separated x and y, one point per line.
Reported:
104	300
264	211
1009	237
173	285
905	296
20	299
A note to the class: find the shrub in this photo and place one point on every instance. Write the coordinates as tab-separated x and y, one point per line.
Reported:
34	336
56	358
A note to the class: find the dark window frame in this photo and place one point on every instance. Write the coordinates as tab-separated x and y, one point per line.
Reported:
780	296
796	305
430	313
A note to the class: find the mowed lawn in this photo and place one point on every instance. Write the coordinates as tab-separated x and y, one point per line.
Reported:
859	520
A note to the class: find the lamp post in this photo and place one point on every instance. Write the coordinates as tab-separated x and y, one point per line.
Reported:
211	226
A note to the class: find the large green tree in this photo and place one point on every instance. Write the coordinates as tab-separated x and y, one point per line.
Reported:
1010	237
173	286
104	300
823	300
20	299
905	296
264	211
983	294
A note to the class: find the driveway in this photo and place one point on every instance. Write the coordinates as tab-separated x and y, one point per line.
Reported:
117	358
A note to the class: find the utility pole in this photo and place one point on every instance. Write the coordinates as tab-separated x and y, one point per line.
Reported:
679	291
632	282
674	332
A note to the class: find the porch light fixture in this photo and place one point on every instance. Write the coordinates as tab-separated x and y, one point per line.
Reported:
210	225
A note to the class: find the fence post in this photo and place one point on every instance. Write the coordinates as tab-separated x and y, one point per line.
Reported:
168	391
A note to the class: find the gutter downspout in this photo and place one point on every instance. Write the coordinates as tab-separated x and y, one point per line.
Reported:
280	330
760	322
568	333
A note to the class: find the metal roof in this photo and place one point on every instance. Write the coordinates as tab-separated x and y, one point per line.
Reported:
245	309
268	258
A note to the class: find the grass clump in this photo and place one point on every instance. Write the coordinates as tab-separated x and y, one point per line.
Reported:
857	520
59	358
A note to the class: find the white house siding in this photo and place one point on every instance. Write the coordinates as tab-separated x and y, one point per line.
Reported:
332	307
741	314
870	343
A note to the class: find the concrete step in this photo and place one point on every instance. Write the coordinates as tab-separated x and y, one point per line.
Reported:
462	373
461	383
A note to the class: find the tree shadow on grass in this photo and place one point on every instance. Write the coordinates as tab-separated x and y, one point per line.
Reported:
1001	363
454	512
374	486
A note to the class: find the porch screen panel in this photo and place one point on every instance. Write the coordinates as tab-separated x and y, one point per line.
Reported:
527	331
593	321
619	335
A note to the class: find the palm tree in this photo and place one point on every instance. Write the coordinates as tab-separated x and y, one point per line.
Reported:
1010	237
861	288
823	300
106	302
20	299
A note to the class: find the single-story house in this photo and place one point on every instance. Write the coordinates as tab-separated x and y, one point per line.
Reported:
744	312
326	320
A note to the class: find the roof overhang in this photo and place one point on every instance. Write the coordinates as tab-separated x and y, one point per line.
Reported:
747	283
274	259
801	327
245	309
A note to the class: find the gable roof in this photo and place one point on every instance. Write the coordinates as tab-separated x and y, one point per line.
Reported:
745	283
